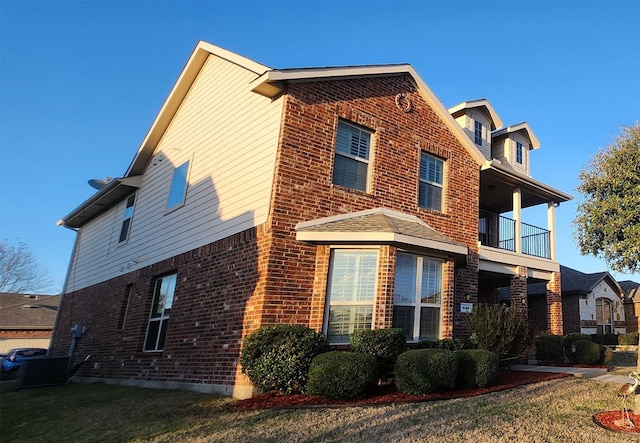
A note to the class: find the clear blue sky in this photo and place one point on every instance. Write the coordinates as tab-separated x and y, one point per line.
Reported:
82	81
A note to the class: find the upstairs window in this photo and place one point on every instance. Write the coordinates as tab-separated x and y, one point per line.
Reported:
351	165
163	292
417	297
126	218
351	292
179	182
478	133
519	153
431	182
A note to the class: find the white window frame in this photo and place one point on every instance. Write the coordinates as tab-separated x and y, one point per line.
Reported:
601	326
127	218
179	185
161	304
349	303
477	132
430	183
417	304
350	155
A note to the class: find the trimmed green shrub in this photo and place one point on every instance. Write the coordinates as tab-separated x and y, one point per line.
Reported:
499	329
341	374
277	358
586	352
549	347
422	371
450	344
628	339
568	340
606	355
384	344
476	368
605	339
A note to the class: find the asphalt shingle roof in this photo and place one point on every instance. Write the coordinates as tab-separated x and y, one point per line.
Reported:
28	311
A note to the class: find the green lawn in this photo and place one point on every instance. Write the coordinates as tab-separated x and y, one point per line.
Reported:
554	411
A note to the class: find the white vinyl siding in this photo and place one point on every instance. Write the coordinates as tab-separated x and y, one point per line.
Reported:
232	135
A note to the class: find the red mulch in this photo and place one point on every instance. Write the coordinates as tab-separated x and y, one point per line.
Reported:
613	421
506	379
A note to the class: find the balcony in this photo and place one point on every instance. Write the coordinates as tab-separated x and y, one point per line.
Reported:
497	231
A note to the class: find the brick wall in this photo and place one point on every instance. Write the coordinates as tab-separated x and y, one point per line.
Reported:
554	304
632	316
571	314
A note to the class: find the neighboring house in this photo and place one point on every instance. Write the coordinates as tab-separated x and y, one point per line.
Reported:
26	320
591	303
631	304
338	198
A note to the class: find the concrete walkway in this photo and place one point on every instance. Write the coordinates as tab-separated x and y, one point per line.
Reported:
599	374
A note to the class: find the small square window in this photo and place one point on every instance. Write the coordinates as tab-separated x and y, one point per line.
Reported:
431	182
351	165
478	133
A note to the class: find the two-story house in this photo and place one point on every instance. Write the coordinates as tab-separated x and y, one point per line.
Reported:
338	198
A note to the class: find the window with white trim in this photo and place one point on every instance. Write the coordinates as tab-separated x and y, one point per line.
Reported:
417	299
604	316
351	163
350	293
179	182
163	292
126	218
519	152
477	133
431	182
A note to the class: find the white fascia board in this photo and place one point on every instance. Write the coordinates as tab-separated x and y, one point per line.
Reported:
523	126
480	103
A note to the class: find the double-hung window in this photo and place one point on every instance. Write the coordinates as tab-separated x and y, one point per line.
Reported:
351	292
417	297
126	219
163	292
179	182
477	133
431	182
353	149
519	153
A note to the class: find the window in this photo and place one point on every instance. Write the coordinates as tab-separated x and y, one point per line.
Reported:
126	219
431	180
604	316
519	153
351	292
179	183
160	309
418	296
477	134
351	166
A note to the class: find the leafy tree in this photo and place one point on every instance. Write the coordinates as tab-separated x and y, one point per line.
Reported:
607	224
19	271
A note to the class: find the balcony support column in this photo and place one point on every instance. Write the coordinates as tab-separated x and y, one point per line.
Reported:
517	216
551	227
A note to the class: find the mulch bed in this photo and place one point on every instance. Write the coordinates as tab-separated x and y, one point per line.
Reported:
613	420
382	395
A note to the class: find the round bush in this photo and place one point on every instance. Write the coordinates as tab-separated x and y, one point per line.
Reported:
277	358
586	352
567	341
628	339
476	368
341	374
422	371
384	344
606	355
549	347
451	344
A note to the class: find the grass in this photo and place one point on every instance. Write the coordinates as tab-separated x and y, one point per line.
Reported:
554	411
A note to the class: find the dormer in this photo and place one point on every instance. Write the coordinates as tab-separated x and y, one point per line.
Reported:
511	145
478	119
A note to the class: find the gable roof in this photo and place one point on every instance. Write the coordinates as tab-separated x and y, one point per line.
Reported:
631	289
574	282
457	110
524	126
28	311
270	83
378	226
